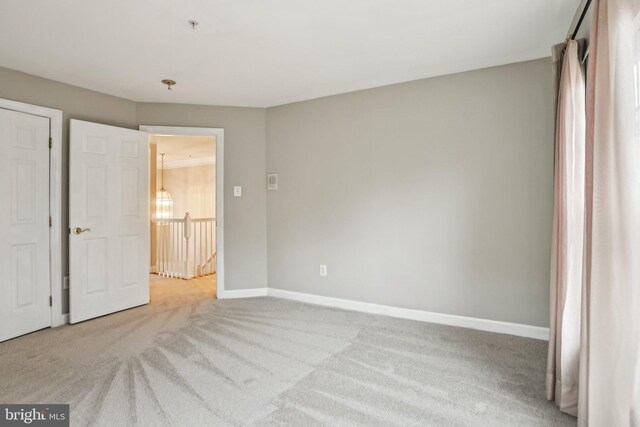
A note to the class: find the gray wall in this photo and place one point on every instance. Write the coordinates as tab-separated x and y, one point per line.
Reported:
434	194
245	218
75	103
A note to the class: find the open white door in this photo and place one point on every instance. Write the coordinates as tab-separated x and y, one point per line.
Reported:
25	287
108	219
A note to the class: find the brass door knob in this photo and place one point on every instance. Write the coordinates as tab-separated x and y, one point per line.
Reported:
79	230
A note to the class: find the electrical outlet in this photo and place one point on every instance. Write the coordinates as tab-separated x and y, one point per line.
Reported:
237	191
323	270
66	282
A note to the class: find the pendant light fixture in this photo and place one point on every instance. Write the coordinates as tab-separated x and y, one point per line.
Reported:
164	202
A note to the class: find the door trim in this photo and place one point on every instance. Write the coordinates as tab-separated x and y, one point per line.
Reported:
55	200
219	134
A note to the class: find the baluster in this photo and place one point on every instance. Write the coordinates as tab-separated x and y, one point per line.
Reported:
156	250
163	247
159	248
162	254
213	245
157	254
181	255
162	257
171	249
175	249
178	267
188	235
169	229
206	248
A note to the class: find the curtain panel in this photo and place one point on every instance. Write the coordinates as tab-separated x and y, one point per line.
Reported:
608	384
593	367
568	232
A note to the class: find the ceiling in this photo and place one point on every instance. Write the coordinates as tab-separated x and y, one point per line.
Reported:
185	151
263	53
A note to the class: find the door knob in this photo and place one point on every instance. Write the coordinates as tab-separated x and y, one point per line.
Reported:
79	230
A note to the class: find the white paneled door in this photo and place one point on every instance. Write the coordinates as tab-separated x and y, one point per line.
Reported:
25	286
108	219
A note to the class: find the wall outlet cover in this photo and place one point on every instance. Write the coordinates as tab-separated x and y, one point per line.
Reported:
323	270
237	191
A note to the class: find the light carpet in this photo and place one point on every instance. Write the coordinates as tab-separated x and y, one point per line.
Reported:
187	359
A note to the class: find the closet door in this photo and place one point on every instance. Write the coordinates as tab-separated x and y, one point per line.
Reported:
25	286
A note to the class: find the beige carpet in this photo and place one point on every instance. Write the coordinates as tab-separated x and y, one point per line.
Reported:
187	359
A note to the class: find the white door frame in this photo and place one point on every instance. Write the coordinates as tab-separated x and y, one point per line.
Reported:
219	134
55	200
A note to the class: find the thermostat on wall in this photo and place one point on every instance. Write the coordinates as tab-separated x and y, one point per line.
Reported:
272	181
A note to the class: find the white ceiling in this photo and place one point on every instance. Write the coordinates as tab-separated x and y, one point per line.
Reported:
185	151
269	52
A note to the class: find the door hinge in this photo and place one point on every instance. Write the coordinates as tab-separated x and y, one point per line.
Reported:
50	222
50	301
50	142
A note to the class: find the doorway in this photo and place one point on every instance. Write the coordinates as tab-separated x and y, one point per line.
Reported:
182	207
30	220
185	206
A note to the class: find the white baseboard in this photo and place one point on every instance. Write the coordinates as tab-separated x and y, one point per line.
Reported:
244	293
518	329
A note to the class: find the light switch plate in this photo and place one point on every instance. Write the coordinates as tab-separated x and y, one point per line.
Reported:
237	191
272	181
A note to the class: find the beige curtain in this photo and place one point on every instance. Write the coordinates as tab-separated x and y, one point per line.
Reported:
611	293
568	233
